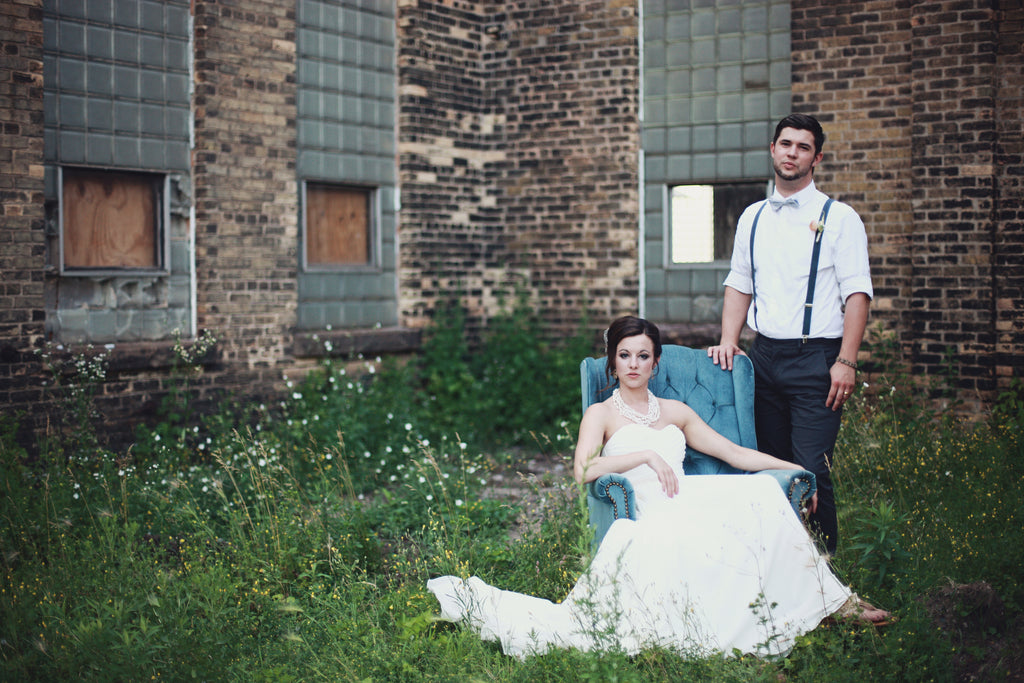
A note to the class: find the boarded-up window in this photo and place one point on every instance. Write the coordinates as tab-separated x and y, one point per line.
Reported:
338	225
110	219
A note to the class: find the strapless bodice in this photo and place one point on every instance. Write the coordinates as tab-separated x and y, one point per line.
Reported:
668	442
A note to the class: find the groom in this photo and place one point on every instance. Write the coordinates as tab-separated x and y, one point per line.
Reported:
800	279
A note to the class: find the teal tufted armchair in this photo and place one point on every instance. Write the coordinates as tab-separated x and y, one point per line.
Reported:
723	399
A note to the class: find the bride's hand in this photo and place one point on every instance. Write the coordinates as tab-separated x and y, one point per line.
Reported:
666	475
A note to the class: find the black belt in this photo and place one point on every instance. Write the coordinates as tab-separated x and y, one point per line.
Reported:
799	343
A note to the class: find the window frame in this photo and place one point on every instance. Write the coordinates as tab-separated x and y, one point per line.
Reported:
668	262
374	238
161	183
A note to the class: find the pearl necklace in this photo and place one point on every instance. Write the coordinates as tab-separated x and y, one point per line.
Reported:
653	409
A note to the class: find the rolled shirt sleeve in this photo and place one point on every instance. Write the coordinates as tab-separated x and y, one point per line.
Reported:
853	270
739	268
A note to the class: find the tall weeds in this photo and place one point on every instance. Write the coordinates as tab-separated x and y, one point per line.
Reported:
297	546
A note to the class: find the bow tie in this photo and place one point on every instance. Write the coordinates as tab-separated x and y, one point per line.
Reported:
779	203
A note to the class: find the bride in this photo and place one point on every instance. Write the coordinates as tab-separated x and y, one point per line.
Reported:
713	564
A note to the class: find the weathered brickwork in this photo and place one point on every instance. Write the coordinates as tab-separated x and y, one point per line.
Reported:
912	96
851	69
519	140
518	154
1009	215
245	209
450	228
565	78
953	151
246	197
22	218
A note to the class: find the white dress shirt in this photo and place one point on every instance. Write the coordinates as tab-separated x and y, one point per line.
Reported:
783	244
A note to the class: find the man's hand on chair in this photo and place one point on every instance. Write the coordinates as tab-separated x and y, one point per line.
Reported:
722	354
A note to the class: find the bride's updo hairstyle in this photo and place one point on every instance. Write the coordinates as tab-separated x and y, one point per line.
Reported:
622	328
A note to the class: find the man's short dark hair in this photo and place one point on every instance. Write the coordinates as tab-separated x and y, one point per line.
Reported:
803	122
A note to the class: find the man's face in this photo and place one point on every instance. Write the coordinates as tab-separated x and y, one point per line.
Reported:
793	155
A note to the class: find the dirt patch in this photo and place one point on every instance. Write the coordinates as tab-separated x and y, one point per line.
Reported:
987	644
532	481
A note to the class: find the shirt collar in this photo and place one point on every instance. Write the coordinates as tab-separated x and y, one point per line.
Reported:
801	197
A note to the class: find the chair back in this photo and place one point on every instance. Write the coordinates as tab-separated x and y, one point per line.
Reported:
723	399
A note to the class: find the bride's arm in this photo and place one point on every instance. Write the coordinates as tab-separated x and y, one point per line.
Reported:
706	440
588	464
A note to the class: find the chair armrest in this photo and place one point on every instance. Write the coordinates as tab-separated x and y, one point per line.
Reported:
609	497
617	491
798	485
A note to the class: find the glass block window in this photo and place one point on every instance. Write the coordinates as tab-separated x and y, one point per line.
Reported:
117	86
715	79
347	85
346	144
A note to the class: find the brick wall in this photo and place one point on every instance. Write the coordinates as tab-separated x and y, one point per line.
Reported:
519	147
245	207
449	227
22	219
851	69
1009	214
907	92
565	78
518	151
246	203
953	138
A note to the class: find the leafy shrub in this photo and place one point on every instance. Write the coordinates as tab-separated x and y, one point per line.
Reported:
513	387
1009	405
295	544
73	378
877	540
176	418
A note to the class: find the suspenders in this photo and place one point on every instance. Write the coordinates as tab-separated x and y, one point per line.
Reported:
811	278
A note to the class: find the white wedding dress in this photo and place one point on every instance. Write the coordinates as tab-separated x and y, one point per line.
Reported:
724	565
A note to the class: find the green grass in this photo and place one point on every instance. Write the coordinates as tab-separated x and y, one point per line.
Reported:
297	547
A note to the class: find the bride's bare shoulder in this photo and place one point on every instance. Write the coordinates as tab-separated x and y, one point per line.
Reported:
675	409
598	411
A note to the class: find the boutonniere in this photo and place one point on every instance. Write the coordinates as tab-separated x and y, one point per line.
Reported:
817	227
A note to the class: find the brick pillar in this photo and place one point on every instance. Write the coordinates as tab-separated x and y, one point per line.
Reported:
246	197
851	69
449	227
566	78
519	143
22	220
922	105
953	131
1009	246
